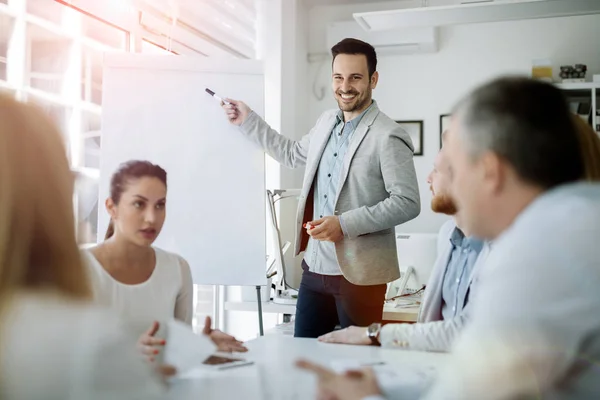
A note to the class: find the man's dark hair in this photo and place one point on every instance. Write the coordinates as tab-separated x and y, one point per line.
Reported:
527	123
355	46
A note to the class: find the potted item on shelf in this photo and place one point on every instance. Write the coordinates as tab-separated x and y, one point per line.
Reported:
542	70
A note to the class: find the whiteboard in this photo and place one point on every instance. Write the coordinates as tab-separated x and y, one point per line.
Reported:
155	108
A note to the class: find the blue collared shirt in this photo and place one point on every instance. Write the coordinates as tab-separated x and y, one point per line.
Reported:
320	255
455	287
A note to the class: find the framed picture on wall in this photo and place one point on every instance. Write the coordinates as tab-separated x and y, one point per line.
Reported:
444	124
415	130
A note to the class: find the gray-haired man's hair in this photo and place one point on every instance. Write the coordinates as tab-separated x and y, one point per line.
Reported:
527	123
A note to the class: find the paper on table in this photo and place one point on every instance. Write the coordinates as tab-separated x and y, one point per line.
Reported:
184	349
404	303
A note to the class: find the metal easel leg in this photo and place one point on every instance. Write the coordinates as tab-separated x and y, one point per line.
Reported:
260	315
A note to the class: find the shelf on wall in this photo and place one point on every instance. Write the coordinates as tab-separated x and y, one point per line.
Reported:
578	86
588	94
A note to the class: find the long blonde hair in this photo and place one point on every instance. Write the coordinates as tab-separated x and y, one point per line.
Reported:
38	247
589	142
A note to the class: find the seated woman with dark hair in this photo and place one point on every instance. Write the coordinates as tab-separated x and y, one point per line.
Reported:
144	283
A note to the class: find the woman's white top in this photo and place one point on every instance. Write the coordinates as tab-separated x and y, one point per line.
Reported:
167	294
52	348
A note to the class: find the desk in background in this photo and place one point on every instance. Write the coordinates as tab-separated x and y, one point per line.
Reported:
274	376
400	314
390	313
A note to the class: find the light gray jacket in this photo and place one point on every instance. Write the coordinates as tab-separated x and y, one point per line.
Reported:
378	188
432	332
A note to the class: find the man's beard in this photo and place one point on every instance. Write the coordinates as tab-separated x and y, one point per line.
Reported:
360	102
443	204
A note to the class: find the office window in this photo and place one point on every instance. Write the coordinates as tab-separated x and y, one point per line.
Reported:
103	32
48	10
6	26
63	75
90	130
91	151
58	113
86	187
86	202
149	47
91	74
49	58
203	306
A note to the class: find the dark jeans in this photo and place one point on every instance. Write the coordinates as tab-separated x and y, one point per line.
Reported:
326	301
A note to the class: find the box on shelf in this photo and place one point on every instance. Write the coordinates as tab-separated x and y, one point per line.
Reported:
573	73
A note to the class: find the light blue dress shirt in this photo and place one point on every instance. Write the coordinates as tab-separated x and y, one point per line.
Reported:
456	283
320	255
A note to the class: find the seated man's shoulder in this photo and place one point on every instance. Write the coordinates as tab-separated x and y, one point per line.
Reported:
562	211
559	228
582	199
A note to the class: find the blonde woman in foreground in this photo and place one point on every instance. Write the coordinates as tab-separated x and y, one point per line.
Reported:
53	343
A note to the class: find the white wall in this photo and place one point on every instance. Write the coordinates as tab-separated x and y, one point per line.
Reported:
421	87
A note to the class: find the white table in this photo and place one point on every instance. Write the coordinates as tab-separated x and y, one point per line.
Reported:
274	377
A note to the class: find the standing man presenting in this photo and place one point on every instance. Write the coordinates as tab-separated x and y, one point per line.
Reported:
359	183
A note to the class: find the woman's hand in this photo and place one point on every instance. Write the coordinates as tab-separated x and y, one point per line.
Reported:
150	345
223	341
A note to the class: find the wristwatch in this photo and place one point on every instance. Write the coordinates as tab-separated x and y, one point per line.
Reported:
373	333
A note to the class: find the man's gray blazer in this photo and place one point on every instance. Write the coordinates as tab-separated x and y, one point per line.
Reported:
378	188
